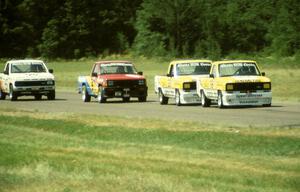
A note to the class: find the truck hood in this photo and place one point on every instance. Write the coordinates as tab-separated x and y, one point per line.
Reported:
187	78
31	76
122	77
241	79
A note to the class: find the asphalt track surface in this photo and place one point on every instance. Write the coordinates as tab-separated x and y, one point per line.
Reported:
281	114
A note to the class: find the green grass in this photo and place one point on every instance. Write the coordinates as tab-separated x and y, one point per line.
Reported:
284	72
65	152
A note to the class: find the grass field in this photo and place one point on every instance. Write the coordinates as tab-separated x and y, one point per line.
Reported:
68	152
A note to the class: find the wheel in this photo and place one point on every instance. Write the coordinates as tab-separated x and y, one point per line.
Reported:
204	100
267	105
143	99
2	95
85	95
162	99
51	95
220	100
177	98
100	97
12	95
38	97
126	99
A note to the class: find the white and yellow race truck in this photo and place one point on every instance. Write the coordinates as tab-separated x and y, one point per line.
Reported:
235	83
180	81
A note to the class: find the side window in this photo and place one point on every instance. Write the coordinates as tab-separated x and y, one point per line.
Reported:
96	69
6	69
171	72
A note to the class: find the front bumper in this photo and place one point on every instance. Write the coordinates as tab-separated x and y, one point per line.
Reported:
237	98
189	97
117	92
33	90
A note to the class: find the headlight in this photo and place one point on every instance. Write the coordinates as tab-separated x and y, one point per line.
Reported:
110	83
186	85
50	82
229	87
141	82
267	85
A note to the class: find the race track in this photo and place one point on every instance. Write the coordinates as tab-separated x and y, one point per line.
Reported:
281	114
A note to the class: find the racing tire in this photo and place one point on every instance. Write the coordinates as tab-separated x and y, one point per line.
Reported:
2	95
267	105
220	100
177	98
126	99
85	95
38	97
12	95
142	99
162	99
204	100
51	95
100	97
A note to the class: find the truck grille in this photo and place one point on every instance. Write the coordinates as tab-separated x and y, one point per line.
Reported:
33	83
247	86
126	83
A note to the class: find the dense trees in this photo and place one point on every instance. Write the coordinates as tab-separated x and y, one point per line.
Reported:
202	28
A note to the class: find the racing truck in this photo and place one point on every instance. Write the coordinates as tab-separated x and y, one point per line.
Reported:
26	77
113	79
235	83
181	81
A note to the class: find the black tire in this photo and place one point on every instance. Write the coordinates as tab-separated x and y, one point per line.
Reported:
2	95
143	99
38	97
126	99
177	98
100	97
220	100
12	95
267	105
204	100
162	99
85	95
51	95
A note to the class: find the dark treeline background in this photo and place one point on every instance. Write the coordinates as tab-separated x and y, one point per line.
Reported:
197	28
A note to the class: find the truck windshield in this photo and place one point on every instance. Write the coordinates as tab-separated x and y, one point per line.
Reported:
238	69
28	68
117	68
193	68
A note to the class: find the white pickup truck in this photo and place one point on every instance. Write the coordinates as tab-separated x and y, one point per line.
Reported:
26	77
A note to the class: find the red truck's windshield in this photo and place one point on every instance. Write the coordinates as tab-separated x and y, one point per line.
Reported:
117	68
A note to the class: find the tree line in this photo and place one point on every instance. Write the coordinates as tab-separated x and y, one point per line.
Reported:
196	28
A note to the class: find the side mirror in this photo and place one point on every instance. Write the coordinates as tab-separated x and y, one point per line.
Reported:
5	72
94	74
211	76
50	70
140	73
263	74
169	75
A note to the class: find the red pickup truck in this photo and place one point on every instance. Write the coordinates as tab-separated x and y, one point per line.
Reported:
113	79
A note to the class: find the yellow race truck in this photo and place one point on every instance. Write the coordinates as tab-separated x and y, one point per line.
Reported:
180	81
235	83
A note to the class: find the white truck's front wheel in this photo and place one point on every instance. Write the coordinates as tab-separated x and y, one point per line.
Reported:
162	99
204	100
177	98
12	94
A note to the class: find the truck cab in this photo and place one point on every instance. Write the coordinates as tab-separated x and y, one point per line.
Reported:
180	81
235	83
